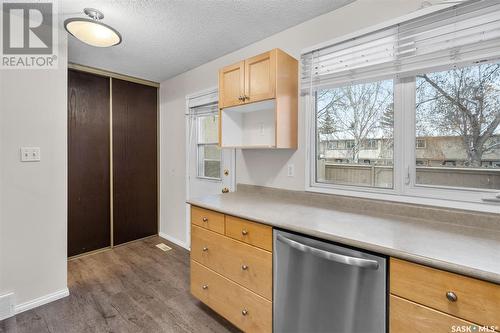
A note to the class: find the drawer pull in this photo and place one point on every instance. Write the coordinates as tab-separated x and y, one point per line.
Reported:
205	249
204	287
451	296
205	219
244	232
244	312
244	267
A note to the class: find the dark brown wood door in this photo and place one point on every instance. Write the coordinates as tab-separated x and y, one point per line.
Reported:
88	162
134	161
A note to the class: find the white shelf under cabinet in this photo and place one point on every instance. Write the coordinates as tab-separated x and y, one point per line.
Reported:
250	125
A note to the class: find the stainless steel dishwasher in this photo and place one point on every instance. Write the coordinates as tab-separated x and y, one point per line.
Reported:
323	287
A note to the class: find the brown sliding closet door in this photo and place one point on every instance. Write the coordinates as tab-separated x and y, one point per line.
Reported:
134	161
88	162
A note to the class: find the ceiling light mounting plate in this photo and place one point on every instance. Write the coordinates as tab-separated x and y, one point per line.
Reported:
93	13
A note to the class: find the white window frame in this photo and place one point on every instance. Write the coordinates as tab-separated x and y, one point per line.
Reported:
404	163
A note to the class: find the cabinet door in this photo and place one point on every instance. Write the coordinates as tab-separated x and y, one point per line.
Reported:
260	77
231	85
134	161
406	316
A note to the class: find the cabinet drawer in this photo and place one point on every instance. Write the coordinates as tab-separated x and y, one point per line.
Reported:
252	233
249	266
477	301
246	310
406	316
207	219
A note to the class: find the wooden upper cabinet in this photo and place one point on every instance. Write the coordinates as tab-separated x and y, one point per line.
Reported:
231	85
260	77
258	102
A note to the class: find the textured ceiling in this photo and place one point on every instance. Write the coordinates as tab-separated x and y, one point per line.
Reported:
164	38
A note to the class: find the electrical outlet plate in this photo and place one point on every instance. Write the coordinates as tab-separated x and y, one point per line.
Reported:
30	154
163	247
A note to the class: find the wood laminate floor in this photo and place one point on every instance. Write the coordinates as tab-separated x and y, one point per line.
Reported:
131	288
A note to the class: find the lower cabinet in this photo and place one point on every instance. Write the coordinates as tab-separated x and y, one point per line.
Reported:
232	268
231	272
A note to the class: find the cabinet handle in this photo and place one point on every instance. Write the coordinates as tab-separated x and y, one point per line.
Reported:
244	312
451	296
244	267
205	249
205	219
244	232
204	287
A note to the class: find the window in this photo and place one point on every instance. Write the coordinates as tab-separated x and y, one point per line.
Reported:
458	111
349	144
411	110
351	116
209	153
420	144
370	144
332	145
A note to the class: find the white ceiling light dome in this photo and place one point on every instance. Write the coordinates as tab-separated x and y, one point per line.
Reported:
92	31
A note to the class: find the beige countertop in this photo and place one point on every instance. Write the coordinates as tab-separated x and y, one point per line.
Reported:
457	241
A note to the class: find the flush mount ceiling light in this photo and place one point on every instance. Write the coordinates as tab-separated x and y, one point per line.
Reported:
91	31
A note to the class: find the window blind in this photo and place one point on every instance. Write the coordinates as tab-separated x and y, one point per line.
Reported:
204	110
457	36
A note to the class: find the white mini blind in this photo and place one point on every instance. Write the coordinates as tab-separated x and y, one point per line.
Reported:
204	110
457	36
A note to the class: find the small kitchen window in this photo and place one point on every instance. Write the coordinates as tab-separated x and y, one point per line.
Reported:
209	153
409	111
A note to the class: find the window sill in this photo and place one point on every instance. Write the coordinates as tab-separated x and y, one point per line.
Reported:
381	194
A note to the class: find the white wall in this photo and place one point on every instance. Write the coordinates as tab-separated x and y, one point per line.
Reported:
33	196
260	167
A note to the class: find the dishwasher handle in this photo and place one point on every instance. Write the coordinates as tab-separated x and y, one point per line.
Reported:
336	257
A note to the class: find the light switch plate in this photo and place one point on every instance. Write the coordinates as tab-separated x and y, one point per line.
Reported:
30	154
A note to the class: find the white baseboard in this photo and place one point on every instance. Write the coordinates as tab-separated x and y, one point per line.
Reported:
174	240
41	300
